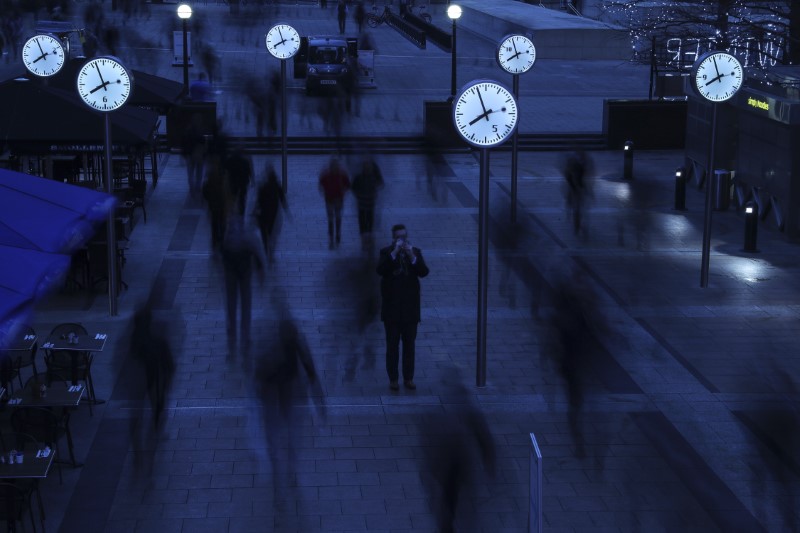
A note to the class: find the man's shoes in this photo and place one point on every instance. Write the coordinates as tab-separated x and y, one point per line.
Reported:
394	385
410	385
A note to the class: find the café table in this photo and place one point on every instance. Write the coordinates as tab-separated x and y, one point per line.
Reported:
82	343
36	464
56	397
21	343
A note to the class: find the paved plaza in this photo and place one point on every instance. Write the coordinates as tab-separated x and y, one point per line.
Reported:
690	404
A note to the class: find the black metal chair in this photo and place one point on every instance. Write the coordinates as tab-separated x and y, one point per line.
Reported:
46	427
24	360
138	192
16	501
69	365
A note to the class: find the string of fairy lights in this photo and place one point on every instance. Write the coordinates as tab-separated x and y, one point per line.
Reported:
677	32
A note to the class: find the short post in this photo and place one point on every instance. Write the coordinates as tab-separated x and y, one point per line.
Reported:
627	168
750	227
680	189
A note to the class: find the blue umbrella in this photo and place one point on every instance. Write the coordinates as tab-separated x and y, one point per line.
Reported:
42	222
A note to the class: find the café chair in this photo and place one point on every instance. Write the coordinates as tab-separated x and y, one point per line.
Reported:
24	360
68	365
138	191
16	503
23	441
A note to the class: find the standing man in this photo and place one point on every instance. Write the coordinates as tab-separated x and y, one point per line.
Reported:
400	266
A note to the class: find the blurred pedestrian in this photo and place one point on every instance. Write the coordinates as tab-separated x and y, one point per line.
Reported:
269	201
341	15
279	382
333	184
193	151
151	352
353	277
574	324
214	191
200	89
400	266
360	15
367	183
323	4
239	176
578	190
241	250
151	349
456	440
778	447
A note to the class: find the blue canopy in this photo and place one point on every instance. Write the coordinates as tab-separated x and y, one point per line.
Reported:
42	222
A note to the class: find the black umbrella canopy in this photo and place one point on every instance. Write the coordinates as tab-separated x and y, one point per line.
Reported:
149	91
35	116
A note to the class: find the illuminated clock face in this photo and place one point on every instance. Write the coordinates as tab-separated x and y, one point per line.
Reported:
516	54
283	41
717	76
104	84
43	55
485	113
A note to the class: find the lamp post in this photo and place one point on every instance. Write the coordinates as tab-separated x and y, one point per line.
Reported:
185	13
454	12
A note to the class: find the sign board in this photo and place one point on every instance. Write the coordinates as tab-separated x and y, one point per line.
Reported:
366	68
177	48
535	518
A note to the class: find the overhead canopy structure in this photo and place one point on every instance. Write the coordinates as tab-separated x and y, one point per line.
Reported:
149	91
36	118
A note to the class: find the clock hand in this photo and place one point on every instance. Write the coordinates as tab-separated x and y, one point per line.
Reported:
101	86
517	53
715	67
481	99
40	57
40	47
715	79
104	83
481	116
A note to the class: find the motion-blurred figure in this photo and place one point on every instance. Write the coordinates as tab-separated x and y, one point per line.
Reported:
779	450
279	382
456	441
200	89
150	350
367	183
193	151
578	190
241	250
573	324
269	201
341	15
333	184
214	190
354	276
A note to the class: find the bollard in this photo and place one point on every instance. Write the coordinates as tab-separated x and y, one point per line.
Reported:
627	169
721	189
750	227
680	189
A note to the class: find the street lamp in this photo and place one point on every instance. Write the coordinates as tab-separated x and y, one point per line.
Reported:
185	13
454	12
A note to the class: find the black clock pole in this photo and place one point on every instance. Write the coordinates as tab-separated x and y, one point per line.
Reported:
483	265
514	155
111	240
709	185
284	139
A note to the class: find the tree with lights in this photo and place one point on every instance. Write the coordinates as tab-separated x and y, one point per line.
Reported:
761	32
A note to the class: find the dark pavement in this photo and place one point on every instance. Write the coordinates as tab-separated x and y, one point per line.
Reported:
690	398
